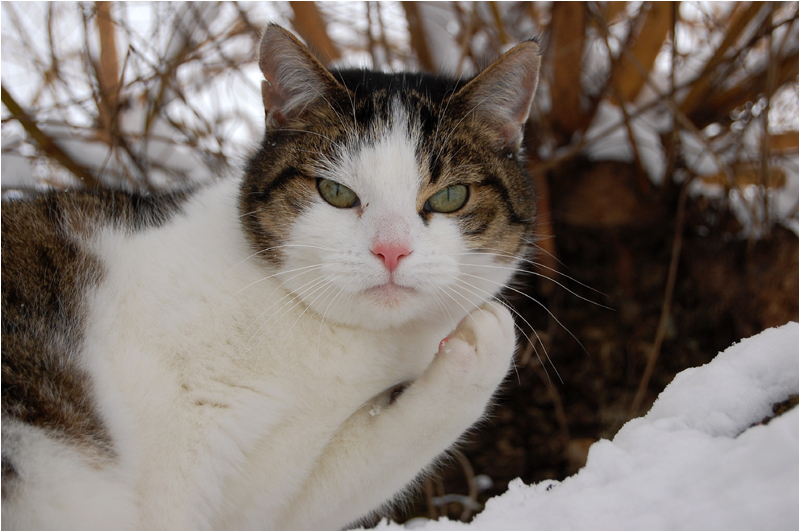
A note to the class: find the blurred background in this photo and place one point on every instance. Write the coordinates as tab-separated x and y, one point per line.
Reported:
663	143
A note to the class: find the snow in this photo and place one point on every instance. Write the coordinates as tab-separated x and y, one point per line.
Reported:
700	459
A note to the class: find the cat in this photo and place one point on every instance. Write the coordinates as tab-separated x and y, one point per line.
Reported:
290	349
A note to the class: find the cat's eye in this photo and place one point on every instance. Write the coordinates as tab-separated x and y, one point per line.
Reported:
448	199
337	194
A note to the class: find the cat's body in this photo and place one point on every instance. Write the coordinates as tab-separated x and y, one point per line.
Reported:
227	358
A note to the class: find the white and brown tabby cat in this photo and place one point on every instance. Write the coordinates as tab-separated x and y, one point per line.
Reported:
233	356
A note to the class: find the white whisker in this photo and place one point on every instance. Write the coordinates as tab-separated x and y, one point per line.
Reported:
305	269
342	290
537	274
539	265
516	313
325	287
453	289
541	305
293	295
257	253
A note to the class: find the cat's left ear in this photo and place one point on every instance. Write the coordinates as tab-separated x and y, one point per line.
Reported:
501	95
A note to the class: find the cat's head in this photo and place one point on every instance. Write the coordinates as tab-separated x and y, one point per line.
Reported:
385	198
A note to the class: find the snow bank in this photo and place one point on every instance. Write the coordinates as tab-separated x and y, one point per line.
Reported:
700	459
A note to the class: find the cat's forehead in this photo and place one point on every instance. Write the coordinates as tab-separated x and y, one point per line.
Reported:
365	83
382	166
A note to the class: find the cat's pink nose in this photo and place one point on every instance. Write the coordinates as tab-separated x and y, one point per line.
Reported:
390	254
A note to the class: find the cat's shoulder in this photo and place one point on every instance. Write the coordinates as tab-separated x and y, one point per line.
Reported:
79	212
43	234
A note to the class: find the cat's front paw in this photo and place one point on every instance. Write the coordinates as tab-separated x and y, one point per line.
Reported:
478	353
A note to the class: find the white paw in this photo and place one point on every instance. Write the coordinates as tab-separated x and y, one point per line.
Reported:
478	353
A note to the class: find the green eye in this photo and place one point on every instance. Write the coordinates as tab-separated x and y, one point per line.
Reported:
337	194
449	199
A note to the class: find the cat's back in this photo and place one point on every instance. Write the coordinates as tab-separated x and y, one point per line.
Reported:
48	269
45	272
51	423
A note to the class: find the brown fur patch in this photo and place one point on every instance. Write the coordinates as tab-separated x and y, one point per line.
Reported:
46	275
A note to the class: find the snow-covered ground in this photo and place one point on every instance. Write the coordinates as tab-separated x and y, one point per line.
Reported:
700	459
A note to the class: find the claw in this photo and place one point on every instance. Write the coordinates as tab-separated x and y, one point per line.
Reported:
443	342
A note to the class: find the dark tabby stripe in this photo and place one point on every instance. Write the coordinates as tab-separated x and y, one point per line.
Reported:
500	189
9	475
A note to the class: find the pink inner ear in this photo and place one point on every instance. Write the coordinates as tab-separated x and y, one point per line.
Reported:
271	94
511	134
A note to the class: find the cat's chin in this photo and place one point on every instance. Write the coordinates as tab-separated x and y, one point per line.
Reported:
379	307
389	305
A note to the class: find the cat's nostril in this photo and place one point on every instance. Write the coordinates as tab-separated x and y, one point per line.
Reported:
391	254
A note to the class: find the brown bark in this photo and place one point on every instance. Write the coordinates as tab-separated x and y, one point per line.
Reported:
108	70
628	75
568	29
784	142
419	41
311	26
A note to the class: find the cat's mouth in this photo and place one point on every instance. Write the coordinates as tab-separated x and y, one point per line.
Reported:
390	293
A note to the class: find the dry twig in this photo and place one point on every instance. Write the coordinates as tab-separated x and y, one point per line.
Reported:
47	144
666	306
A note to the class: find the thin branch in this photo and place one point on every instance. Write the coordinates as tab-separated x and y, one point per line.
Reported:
677	114
552	391
629	78
311	26
384	42
498	20
468	27
47	144
433	511
669	290
785	68
419	40
568	30
704	82
765	137
108	70
371	39
469	472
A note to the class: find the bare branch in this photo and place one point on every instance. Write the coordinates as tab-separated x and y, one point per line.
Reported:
108	70
669	291
568	30
705	81
419	39
312	28
626	77
47	144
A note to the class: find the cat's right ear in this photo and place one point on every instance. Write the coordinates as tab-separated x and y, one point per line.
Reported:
294	80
